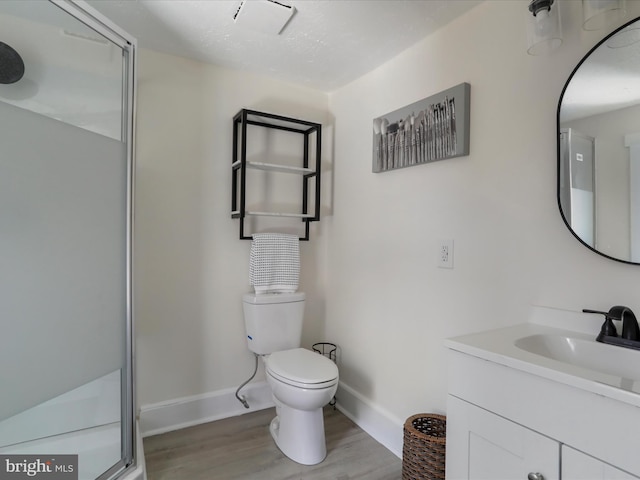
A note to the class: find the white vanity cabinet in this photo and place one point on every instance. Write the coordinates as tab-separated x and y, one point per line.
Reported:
578	466
512	417
485	446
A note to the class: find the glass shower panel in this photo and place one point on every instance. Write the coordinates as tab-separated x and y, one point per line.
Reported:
64	241
71	72
62	250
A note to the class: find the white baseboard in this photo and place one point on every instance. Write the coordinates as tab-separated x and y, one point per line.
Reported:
188	411
377	422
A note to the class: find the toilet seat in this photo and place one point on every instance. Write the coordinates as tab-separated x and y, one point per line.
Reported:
302	368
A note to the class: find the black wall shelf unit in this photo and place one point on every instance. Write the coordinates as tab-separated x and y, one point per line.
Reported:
308	168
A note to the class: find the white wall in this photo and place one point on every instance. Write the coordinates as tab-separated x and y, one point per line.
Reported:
388	306
369	269
191	268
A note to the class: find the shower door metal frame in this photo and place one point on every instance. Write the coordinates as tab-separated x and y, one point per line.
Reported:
95	20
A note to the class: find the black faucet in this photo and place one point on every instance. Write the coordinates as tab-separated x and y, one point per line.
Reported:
630	329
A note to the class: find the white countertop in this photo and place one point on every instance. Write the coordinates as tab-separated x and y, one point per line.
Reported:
499	346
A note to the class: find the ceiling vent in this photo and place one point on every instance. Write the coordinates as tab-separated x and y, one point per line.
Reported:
265	16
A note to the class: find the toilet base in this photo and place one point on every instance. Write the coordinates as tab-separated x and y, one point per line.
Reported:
299	434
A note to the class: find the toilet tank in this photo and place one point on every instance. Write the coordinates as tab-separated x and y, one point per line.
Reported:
273	321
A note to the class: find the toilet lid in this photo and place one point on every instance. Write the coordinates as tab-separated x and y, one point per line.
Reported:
302	367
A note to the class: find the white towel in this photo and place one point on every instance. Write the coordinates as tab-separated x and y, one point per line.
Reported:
274	263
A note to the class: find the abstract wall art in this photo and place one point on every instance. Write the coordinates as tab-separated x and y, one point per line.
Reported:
435	128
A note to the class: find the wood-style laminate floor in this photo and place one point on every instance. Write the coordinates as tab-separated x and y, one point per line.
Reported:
242	448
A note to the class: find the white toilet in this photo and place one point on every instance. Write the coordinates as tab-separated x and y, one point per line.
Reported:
302	382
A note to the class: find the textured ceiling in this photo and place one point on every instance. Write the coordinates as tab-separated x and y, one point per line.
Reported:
327	43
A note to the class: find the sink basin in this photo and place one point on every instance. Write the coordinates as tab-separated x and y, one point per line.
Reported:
582	352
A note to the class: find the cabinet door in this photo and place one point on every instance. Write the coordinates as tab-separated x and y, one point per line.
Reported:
579	466
484	446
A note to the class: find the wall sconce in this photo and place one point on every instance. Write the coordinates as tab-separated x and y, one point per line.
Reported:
597	14
544	30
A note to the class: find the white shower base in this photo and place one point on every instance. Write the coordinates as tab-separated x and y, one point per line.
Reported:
84	421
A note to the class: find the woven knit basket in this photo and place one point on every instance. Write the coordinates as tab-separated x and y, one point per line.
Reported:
423	452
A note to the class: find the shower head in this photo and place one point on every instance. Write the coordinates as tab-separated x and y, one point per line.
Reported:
11	65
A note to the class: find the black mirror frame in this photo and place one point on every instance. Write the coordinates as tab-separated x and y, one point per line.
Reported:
558	148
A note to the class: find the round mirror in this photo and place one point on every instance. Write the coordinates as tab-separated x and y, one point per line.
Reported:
599	147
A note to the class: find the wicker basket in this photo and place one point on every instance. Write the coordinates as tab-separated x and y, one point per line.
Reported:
423	452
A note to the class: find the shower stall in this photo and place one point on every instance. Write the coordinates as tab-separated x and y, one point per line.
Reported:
66	218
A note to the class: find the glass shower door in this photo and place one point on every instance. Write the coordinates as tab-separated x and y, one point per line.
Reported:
65	239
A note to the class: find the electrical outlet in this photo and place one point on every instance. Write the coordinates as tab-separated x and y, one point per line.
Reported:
445	253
